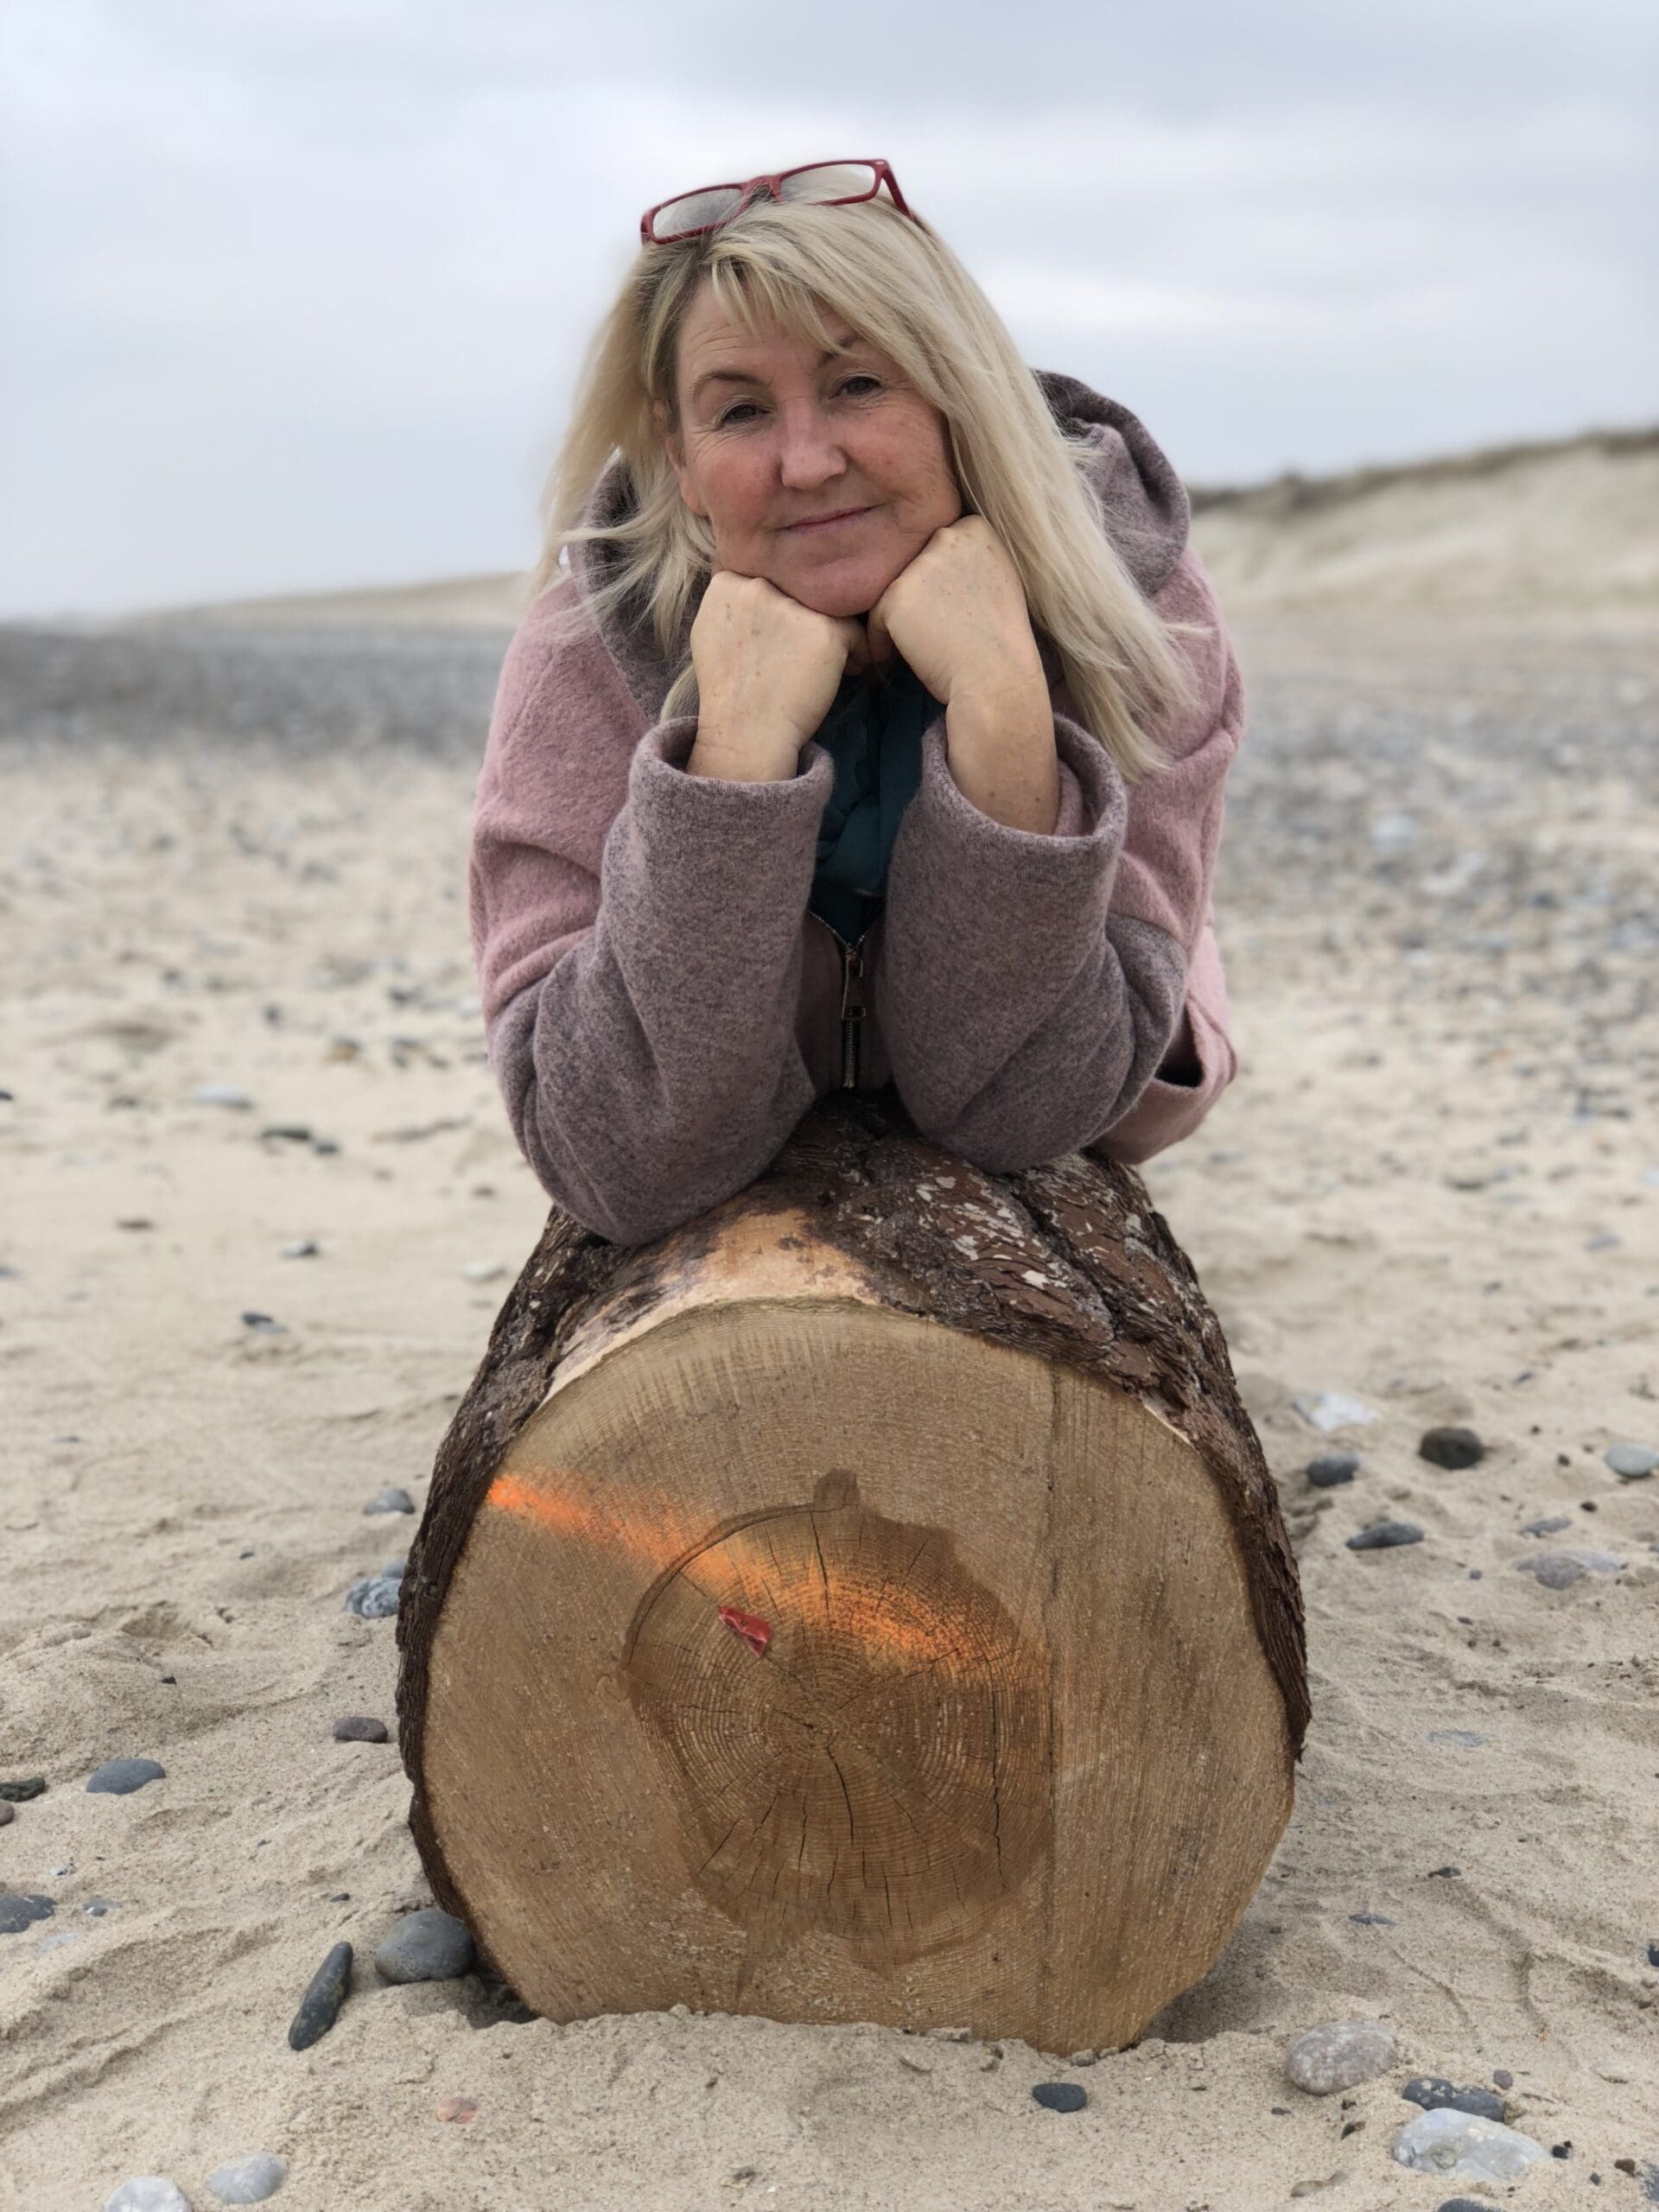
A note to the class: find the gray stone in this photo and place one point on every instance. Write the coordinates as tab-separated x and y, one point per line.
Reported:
21	1909
1552	1527
1462	2146
1559	1570
301	1248
324	1995
1331	1468
120	1778
20	1793
1450	1447
1338	2055
374	1596
1435	2093
8	1812
425	1946
1384	1535
250	2180
220	1094
1631	1463
394	1500
359	1728
148	2193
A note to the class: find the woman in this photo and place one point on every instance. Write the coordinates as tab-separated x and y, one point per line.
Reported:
822	756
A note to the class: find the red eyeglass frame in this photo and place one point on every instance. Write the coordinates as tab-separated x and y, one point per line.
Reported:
883	175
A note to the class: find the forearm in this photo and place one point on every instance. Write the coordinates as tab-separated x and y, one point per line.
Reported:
653	1069
999	744
1020	1015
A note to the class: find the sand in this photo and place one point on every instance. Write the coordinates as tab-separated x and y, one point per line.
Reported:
1435	1185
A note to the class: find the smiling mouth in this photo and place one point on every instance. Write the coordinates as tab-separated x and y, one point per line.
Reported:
828	522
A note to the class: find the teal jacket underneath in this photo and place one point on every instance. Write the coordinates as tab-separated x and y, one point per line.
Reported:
873	732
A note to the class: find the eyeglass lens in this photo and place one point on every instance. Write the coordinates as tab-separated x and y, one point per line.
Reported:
829	180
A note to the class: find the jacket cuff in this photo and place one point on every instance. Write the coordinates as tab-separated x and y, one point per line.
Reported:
1166	1112
978	873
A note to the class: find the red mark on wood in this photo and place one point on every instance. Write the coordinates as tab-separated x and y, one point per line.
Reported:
757	1633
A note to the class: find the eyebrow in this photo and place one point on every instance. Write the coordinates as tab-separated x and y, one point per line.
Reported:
848	340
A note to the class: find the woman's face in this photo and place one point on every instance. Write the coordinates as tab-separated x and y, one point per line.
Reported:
772	437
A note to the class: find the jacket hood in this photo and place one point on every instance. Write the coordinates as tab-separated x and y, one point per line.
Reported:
1144	501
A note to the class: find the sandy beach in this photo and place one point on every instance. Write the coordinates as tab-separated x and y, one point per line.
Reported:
235	858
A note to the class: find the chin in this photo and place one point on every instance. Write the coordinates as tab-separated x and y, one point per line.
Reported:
826	592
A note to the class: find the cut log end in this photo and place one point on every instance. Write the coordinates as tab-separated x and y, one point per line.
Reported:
779	1640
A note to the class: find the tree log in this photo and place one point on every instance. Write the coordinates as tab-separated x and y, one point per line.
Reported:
868	1602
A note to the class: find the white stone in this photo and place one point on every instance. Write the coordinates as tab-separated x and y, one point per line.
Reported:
148	2193
220	1094
1326	1409
250	2180
1339	2055
1461	2147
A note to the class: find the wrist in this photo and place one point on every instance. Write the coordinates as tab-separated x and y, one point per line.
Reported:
744	758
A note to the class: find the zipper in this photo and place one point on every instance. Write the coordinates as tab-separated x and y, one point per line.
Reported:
851	1004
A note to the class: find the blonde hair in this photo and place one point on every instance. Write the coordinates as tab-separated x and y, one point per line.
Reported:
897	284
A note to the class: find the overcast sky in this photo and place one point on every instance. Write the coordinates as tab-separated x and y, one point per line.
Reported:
294	291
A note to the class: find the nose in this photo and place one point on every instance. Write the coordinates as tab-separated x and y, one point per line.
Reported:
810	454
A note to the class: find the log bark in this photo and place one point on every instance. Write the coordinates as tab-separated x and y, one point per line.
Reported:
870	1601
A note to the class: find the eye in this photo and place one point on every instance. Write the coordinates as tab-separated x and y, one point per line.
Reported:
859	376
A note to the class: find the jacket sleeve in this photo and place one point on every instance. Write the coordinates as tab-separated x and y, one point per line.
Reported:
1040	993
640	1012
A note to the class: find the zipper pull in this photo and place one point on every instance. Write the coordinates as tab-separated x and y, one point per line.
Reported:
852	984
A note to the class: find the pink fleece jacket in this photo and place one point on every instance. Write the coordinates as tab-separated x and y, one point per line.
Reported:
661	1005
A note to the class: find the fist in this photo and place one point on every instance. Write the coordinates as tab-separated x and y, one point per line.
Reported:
768	668
957	613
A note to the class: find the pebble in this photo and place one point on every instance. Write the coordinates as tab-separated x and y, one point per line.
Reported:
429	1945
374	1596
359	1728
1503	2078
1339	2055
1333	1409
148	2193
1631	1463
1559	1570
394	1500
1451	1447
220	1094
1331	1468
325	1994
19	1793
264	1323
1467	1738
250	2180
303	1248
1383	1535
1463	2204
120	1778
1373	1920
98	1907
1060	2096
21	1909
1549	1528
8	1812
1464	2147
1435	2094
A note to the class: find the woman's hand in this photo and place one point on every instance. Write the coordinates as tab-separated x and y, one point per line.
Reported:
958	615
768	670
